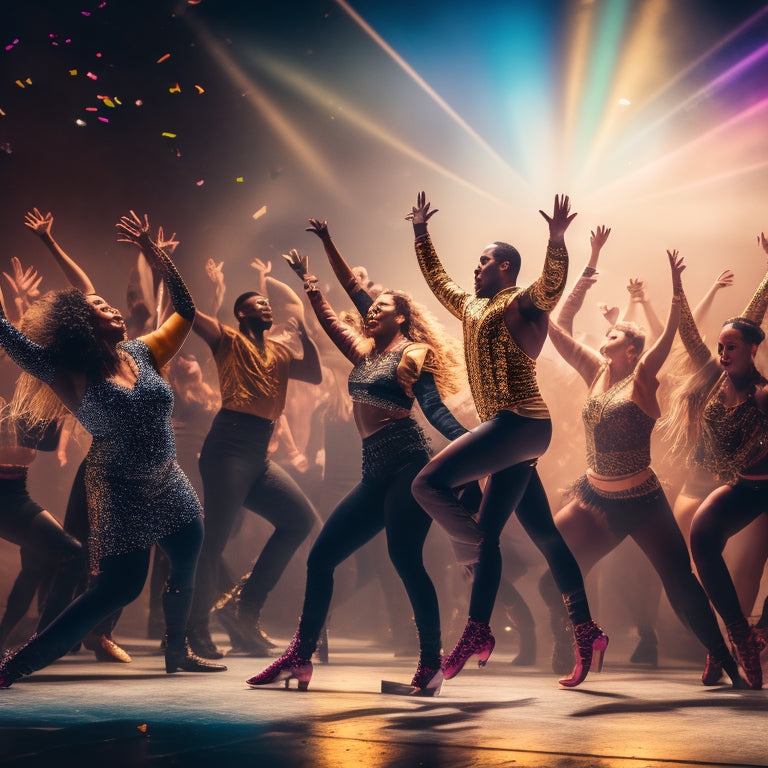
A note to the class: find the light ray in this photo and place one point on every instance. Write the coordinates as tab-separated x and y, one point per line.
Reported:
425	86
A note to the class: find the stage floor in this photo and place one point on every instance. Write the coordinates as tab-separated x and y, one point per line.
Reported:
81	712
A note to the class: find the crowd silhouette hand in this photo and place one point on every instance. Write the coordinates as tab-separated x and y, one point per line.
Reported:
421	213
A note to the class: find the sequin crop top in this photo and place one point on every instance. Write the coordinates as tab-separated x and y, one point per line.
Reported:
501	375
392	380
618	431
732	438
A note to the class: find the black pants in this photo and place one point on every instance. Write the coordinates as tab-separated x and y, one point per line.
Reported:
721	515
381	502
120	581
237	473
505	448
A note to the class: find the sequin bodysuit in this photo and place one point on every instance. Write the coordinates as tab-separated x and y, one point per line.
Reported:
501	375
618	432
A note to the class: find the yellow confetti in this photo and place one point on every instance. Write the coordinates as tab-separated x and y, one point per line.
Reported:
117	101
28	81
239	179
73	72
169	135
199	89
20	84
175	89
108	102
164	57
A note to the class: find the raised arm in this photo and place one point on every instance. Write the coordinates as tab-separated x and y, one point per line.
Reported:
579	356
349	343
755	310
25	287
575	299
541	296
724	280
344	274
447	292
41	225
166	341
207	326
651	362
307	368
637	299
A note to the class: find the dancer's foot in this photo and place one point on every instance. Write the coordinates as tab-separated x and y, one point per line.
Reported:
476	640
291	665
106	649
589	647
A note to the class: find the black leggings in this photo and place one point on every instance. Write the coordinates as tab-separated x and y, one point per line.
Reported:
237	473
505	448
721	515
120	581
383	502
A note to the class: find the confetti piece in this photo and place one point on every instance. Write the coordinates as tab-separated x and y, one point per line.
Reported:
169	135
260	212
28	81
138	102
200	182
109	103
2	114
20	84
98	55
91	109
104	119
73	72
91	76
80	122
142	728
117	101
239	179
10	45
199	89
85	13
164	57
175	89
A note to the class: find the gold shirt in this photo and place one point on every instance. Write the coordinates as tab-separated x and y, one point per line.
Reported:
501	375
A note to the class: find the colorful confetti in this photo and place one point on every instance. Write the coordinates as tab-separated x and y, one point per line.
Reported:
10	45
91	76
164	57
199	89
80	122
260	212
73	72
168	135
104	119
175	89
200	182
2	114
138	102
240	179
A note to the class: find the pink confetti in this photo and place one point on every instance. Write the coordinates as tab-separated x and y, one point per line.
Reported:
10	45
91	109
200	182
138	102
85	13
104	119
91	76
98	55
164	57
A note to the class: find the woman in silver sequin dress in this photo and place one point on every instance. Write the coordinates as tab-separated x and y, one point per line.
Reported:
137	494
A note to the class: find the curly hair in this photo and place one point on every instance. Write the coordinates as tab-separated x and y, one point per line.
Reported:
65	324
446	362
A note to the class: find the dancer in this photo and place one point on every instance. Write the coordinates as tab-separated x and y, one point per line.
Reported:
725	418
400	357
620	495
504	330
253	378
137	494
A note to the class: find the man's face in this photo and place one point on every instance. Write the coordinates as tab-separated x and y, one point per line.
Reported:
255	311
488	280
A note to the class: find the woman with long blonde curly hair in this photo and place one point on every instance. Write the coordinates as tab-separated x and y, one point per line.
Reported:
401	356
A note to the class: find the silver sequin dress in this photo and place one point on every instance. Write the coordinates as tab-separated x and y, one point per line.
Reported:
137	493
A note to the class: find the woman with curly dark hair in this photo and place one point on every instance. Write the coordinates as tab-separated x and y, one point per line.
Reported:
402	355
75	357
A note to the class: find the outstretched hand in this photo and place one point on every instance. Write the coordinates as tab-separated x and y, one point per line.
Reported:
724	279
636	289
215	271
420	213
298	263
560	219
166	244
762	242
40	224
319	228
599	236
677	267
25	283
134	230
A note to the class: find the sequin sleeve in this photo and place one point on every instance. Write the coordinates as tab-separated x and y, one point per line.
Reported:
690	336
448	293
344	337
30	357
547	290
758	304
177	289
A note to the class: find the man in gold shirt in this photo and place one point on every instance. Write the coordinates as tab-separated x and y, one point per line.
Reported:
505	328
